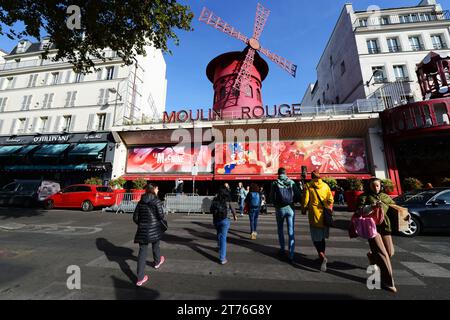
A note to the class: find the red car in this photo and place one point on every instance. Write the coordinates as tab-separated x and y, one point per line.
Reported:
84	196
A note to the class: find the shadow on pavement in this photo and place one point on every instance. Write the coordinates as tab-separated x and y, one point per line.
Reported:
129	291
269	295
14	213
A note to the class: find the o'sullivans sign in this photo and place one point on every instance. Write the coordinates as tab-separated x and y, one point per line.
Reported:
258	112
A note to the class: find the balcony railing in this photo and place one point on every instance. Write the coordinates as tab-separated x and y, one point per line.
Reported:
438	46
418	47
395	49
374	50
399	19
109	54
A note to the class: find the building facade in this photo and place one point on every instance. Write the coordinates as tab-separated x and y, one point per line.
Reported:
46	102
373	54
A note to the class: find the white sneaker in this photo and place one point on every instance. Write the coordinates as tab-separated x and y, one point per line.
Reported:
323	267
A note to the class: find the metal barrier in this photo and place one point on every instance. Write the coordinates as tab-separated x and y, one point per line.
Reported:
187	203
125	203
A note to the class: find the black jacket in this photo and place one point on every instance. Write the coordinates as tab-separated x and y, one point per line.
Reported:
147	215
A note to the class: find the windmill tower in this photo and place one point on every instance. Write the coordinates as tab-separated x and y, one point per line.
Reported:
238	76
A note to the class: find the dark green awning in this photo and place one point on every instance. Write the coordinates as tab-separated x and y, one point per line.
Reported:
68	167
51	150
6	151
87	150
25	150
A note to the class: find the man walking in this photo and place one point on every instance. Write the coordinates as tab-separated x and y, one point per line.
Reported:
242	194
283	194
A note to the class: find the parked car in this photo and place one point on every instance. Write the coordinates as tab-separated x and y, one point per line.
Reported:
429	210
84	196
27	192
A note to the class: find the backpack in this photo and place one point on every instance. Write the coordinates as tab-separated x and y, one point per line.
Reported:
255	200
284	196
219	209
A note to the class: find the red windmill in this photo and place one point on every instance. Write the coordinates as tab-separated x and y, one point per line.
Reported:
246	68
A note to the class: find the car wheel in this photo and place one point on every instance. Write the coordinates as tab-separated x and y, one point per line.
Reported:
87	206
414	228
49	204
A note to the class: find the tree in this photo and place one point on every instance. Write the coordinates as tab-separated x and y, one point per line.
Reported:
125	26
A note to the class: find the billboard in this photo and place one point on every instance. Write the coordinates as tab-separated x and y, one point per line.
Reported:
174	160
339	156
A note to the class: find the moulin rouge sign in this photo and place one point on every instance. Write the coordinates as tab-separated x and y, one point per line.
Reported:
258	112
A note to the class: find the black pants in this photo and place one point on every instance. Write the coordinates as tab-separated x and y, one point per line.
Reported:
142	258
320	246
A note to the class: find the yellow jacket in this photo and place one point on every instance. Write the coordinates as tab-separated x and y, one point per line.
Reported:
312	203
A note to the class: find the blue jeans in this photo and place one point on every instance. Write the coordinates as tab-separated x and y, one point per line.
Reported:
222	227
286	213
253	215
241	205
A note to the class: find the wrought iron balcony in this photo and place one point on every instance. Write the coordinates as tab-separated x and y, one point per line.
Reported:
438	46
395	48
422	17
418	47
374	50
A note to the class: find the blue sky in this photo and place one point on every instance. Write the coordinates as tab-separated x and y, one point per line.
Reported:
297	30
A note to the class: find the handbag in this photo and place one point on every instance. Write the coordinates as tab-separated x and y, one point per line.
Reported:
327	213
164	225
377	214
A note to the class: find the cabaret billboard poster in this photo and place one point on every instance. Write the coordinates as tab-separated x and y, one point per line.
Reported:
346	156
175	160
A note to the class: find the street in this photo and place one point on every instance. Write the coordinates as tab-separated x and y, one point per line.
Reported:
37	247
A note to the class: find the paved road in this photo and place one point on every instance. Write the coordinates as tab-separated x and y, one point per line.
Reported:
37	246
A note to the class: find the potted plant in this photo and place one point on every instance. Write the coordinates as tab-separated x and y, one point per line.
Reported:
95	181
354	190
117	186
410	184
389	187
138	188
332	183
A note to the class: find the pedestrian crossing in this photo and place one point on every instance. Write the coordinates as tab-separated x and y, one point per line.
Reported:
190	248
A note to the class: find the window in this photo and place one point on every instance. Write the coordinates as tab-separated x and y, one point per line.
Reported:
258	94
385	20
343	69
378	74
236	93
55	78
372	45
83	189
70	189
363	22
79	77
22	46
11	82
32	80
48	100
109	73
70	99
101	121
416	44
45	44
424	17
22	122
405	19
400	73
393	45
3	104
437	42
43	125
26	101
444	197
440	110
103	97
222	93
67	122
249	91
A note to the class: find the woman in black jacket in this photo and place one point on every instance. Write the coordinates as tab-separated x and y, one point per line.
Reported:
148	215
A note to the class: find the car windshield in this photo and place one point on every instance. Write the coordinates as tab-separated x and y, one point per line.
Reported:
418	197
29	186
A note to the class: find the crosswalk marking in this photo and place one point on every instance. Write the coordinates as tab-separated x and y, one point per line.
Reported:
433	257
426	269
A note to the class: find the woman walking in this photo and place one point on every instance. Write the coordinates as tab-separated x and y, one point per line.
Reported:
382	247
318	196
220	207
253	200
149	216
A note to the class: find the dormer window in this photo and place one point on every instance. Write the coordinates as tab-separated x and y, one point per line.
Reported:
45	44
22	46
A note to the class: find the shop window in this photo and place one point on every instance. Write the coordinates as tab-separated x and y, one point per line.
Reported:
418	116
440	110
409	120
428	120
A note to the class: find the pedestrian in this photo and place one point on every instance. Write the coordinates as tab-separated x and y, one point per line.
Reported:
428	186
220	207
241	198
317	196
179	185
149	216
263	200
253	200
382	246
283	193
340	195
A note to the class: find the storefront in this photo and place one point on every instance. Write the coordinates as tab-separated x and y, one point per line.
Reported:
66	158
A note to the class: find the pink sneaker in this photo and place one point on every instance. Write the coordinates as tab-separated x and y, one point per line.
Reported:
161	261
140	283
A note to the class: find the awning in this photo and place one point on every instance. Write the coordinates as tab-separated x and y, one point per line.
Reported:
6	151
87	150
68	167
154	177
25	150
51	150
